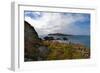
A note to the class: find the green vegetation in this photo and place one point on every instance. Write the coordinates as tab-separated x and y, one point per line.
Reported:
48	38
60	51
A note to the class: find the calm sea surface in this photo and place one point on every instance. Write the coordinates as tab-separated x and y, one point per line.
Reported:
85	40
79	39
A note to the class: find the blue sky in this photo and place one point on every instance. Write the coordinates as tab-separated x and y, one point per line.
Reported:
68	23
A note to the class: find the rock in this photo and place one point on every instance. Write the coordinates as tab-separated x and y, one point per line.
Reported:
43	52
31	42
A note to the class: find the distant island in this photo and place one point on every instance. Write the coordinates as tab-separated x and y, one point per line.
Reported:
63	34
59	34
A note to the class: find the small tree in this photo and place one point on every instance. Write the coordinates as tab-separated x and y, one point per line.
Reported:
48	38
64	38
58	39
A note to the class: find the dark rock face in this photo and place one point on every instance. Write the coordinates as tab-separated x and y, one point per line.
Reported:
31	42
30	31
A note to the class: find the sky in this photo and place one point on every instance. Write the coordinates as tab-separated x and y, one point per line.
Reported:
53	22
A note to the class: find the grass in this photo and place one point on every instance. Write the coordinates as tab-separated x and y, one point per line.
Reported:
60	51
57	51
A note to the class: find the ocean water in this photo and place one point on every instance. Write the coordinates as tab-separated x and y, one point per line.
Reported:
78	39
85	40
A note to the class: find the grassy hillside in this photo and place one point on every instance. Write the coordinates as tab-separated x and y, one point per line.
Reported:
60	51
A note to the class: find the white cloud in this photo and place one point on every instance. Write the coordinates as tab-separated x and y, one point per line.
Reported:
56	23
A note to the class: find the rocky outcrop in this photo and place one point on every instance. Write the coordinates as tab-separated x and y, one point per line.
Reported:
31	42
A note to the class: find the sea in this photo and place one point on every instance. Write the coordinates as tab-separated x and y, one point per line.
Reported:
77	39
80	39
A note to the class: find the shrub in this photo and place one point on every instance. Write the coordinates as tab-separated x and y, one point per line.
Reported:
48	38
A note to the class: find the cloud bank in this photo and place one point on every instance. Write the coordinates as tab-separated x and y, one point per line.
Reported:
68	23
